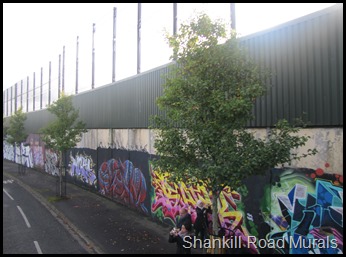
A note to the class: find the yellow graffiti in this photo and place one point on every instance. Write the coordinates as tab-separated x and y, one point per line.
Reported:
225	214
180	194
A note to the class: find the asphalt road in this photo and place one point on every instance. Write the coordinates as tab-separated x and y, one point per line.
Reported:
29	228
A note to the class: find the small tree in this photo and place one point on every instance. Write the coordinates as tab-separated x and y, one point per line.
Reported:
208	98
4	129
16	132
65	132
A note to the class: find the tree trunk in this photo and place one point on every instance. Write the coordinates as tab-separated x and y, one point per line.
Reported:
21	159
60	174
15	157
18	161
215	249
215	212
15	152
20	153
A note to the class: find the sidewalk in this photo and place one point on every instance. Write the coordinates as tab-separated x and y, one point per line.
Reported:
99	224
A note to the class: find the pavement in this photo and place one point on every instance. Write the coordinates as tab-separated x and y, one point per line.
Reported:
100	225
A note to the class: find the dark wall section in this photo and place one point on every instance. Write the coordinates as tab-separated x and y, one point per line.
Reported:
121	177
82	167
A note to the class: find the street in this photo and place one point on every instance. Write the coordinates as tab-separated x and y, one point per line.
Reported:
29	228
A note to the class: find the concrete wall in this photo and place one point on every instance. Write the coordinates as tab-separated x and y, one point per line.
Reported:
328	142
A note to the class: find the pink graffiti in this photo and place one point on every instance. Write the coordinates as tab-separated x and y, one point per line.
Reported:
321	234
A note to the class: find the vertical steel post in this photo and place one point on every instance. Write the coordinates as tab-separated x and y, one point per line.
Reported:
59	75
114	42
21	95
27	94
93	61
175	18
233	16
41	88
139	25
11	100
15	97
63	70
175	27
49	82
7	101
33	91
77	65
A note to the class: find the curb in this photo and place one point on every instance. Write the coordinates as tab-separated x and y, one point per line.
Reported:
82	239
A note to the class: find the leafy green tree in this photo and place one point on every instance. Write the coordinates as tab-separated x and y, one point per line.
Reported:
65	132
208	98
4	128
15	132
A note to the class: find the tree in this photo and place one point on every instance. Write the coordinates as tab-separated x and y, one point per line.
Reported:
4	128
65	132
15	132
208	98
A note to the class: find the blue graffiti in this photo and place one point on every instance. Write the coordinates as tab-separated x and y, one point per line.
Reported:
313	221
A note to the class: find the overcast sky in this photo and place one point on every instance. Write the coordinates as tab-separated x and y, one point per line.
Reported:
34	35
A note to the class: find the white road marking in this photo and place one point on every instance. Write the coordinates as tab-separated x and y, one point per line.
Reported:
24	217
38	248
7	194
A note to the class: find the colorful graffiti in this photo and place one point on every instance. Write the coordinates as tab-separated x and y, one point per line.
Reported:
37	151
298	207
50	165
121	180
169	198
82	167
307	211
19	154
304	205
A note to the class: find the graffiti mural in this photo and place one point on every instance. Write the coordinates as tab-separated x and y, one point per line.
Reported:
17	156
38	158
123	181
27	156
301	205
168	198
307	211
38	150
82	166
8	151
285	211
13	154
51	163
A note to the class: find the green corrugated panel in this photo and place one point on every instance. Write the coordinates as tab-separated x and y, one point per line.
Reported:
308	69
